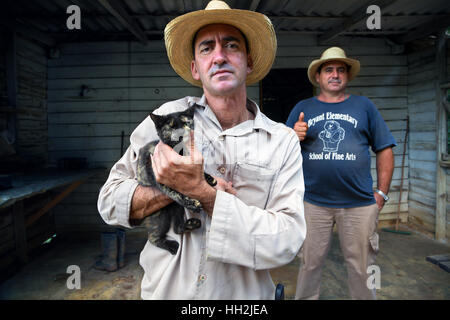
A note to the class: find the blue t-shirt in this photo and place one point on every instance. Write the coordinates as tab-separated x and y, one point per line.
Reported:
336	156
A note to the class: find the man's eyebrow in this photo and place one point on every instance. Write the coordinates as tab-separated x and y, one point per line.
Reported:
227	38
231	38
205	42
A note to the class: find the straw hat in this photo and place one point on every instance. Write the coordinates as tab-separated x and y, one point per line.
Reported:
257	28
333	54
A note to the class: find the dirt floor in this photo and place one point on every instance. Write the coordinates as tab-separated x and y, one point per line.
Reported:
405	274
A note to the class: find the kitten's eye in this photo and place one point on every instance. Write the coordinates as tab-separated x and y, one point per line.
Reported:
171	122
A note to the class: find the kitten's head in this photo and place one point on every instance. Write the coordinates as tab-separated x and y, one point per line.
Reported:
173	126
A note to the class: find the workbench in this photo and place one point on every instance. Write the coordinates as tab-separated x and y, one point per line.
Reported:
29	184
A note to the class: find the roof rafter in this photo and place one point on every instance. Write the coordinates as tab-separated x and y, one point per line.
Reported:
116	8
424	29
358	16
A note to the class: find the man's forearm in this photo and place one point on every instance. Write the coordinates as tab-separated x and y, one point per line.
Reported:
147	200
385	168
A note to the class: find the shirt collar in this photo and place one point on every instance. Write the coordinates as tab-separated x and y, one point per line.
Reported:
260	121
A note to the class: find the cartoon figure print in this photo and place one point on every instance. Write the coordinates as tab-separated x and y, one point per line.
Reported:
331	136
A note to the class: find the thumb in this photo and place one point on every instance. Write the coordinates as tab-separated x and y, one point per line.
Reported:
301	117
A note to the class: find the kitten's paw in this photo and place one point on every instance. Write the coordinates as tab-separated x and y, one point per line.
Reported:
171	246
192	224
193	205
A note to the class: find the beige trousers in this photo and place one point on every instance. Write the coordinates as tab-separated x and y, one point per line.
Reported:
358	241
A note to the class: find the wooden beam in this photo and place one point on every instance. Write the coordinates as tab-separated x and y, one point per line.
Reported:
441	177
117	10
358	16
424	29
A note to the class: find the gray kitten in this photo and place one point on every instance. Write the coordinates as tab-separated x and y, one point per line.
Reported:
170	128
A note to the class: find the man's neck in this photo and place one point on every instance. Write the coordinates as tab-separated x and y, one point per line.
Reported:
229	110
332	97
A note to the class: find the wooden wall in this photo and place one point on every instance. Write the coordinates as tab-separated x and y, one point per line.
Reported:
32	96
422	77
32	145
127	80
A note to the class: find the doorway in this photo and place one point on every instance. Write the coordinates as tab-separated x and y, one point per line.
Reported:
281	89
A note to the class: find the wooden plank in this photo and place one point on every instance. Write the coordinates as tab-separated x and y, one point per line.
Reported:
393	216
110	59
391	91
30	220
421	174
435	259
120	83
419	76
287	50
153	70
159	93
442	137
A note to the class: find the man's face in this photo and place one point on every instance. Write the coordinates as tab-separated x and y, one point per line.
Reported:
221	61
333	77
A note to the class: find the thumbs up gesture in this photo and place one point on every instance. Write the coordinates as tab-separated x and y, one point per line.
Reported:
301	127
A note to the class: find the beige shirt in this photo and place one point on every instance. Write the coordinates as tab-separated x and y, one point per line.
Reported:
260	228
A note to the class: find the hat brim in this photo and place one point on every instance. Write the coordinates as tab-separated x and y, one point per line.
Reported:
312	69
257	28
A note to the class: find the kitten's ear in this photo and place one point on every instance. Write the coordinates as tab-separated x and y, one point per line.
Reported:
156	119
190	111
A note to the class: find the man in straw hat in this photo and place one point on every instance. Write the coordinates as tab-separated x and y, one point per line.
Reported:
336	130
253	220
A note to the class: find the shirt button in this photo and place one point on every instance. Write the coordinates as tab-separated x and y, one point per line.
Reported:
221	169
221	138
201	278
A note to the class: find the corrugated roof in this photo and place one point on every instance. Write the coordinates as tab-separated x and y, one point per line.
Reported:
145	19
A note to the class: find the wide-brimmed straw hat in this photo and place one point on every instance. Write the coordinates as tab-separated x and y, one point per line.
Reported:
256	27
333	54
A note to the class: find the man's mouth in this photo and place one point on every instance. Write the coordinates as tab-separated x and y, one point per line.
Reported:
221	72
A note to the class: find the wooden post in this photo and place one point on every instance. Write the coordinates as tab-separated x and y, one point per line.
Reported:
441	178
11	83
20	233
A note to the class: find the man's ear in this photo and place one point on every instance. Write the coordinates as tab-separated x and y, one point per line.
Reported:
249	64
194	71
317	77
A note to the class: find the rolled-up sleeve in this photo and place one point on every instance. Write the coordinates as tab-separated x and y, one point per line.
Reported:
114	201
262	238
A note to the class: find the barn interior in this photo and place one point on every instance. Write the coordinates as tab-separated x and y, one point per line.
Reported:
76	78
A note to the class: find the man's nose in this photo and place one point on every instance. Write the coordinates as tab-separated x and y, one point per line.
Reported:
335	73
219	55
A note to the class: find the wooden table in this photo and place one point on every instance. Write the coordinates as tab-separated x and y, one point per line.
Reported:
29	184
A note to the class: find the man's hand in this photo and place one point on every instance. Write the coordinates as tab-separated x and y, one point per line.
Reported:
385	169
223	185
183	173
380	200
301	127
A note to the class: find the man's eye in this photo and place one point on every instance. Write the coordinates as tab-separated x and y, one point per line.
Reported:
232	45
204	50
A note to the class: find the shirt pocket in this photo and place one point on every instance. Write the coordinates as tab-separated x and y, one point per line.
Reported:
253	183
